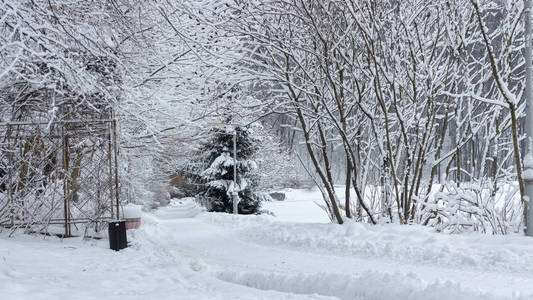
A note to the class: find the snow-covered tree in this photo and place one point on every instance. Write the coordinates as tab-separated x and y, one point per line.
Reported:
178	68
412	92
214	166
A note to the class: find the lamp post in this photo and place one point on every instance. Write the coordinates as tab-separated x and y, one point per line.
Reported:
235	194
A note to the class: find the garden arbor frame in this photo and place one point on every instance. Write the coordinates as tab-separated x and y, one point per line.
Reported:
56	175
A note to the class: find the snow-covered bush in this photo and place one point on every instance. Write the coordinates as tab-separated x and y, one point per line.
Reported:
473	207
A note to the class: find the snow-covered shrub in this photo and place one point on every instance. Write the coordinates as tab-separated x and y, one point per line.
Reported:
473	207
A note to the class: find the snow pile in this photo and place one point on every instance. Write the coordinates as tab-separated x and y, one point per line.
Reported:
179	208
365	286
478	266
405	244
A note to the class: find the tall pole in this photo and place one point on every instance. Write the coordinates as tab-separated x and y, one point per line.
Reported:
528	161
234	193
116	167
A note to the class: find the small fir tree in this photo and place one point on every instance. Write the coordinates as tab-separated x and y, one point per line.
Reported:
214	166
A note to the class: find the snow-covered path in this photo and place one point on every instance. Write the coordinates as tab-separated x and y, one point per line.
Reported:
227	250
182	253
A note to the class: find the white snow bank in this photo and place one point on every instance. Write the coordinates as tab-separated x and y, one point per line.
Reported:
179	208
365	286
396	243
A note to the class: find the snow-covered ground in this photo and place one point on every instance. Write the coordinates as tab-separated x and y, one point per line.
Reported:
182	253
301	206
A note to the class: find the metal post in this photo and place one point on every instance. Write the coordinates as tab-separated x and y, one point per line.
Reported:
66	182
110	160
528	163
10	177
116	167
234	193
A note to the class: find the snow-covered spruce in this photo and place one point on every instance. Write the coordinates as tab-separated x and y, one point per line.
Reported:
213	167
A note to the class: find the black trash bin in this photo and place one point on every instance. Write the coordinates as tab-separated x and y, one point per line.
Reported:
117	235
